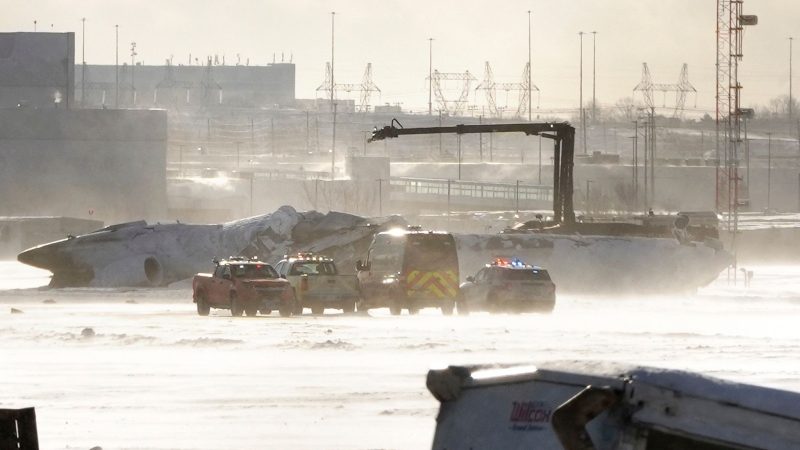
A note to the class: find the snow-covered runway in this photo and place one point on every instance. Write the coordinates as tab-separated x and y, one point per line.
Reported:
157	376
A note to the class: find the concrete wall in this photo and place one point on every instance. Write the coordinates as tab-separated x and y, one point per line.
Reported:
36	69
105	165
186	87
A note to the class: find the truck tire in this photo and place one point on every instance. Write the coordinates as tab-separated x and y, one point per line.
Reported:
317	310
349	306
447	307
236	306
287	308
462	307
202	304
251	310
297	307
395	308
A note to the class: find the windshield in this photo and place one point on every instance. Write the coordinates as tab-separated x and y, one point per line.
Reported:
254	271
313	268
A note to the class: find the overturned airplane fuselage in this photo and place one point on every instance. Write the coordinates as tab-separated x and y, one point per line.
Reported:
142	254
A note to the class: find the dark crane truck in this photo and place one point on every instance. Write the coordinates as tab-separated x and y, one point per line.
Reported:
563	137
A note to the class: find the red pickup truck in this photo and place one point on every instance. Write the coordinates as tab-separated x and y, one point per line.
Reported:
243	286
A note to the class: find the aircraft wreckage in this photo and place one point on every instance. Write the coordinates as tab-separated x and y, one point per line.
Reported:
140	254
580	256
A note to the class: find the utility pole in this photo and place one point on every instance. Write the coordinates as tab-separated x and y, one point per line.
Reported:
790	78
594	77
116	68
83	59
133	65
530	68
430	76
769	171
580	98
333	104
540	160
636	161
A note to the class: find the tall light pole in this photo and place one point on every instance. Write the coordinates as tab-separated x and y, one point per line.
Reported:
83	64
580	98
133	66
769	171
333	105
116	68
430	76
530	68
790	78
594	76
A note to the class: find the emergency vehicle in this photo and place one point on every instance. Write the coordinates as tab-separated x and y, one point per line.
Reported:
508	285
317	284
409	269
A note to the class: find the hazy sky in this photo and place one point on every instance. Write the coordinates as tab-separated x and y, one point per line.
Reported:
393	36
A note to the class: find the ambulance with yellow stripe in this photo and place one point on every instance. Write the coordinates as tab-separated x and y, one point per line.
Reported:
409	269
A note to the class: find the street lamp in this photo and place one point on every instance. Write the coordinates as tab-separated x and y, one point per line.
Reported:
530	67
116	67
769	171
133	65
333	104
430	76
580	99
594	77
83	58
790	78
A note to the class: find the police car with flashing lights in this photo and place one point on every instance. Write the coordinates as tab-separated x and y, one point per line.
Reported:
508	285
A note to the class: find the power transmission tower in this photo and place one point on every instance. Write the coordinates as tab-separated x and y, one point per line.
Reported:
453	107
490	88
365	88
681	88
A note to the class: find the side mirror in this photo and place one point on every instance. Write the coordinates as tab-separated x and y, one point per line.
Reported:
471	279
359	265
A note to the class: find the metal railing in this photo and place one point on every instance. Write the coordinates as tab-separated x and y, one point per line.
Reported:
471	189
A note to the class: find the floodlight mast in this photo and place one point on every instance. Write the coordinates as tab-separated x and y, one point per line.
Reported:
562	134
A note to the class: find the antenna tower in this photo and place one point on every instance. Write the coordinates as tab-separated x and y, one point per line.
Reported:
730	27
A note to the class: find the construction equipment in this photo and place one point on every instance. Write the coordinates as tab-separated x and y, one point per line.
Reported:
562	134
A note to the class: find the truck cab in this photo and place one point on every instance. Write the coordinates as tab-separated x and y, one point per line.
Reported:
410	269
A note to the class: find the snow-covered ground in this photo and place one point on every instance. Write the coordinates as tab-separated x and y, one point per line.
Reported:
157	376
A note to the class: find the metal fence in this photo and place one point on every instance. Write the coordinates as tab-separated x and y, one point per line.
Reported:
472	189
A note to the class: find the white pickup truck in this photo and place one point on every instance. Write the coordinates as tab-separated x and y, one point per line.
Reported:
317	283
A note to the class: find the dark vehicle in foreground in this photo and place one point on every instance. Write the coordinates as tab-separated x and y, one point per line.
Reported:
409	269
581	405
317	283
508	285
243	286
